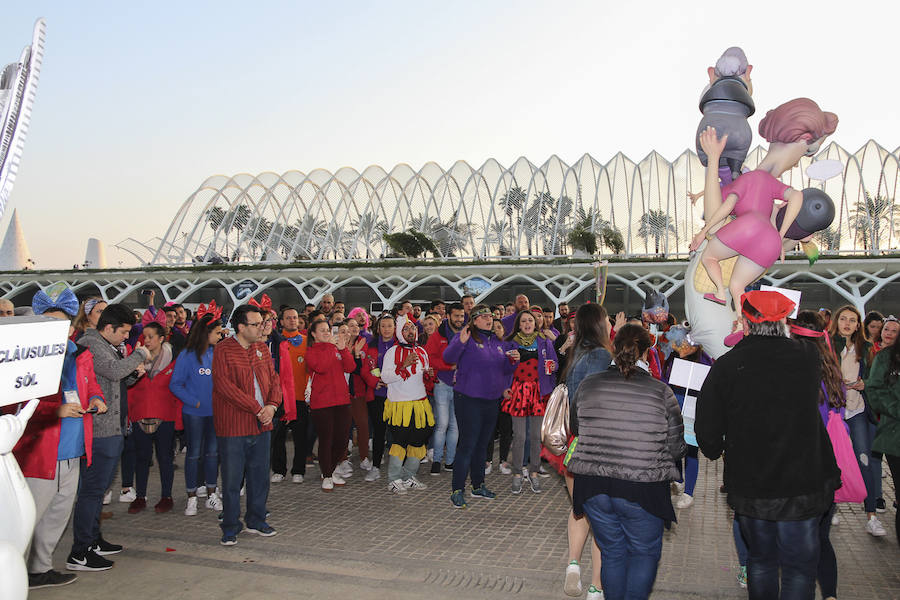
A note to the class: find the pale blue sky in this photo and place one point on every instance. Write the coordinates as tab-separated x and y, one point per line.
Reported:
137	105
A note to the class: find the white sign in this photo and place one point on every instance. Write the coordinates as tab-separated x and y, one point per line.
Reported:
689	375
792	295
32	350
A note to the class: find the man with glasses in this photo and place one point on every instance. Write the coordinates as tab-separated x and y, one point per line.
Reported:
246	394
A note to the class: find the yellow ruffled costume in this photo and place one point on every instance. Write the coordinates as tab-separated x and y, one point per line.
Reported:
413	416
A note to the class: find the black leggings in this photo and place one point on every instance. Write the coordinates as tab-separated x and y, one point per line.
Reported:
376	415
826	573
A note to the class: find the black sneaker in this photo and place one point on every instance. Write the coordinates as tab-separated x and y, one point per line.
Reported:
104	548
448	467
49	579
879	505
435	468
89	561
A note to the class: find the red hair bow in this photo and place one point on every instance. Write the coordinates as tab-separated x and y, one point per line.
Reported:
265	303
212	309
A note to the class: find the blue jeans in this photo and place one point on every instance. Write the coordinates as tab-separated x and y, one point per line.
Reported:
476	418
862	432
445	429
792	546
740	545
687	474
244	457
631	543
201	441
105	454
164	441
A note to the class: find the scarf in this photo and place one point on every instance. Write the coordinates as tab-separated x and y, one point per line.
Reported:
155	365
401	351
525	340
294	339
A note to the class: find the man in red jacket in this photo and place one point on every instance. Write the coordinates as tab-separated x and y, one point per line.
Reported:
246	393
58	435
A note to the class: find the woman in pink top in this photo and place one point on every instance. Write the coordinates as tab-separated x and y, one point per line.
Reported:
794	130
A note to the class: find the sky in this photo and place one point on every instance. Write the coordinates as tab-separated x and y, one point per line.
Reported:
138	103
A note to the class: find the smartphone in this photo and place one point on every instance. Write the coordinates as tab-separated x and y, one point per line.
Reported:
91	410
146	292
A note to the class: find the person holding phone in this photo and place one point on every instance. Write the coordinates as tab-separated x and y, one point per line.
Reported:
57	438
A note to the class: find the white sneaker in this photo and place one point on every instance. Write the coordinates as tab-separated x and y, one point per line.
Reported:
572	587
277	478
327	484
542	472
345	469
414	484
504	468
398	487
488	468
374	474
107	497
594	594
874	527
213	502
836	519
191	509
128	495
684	501
201	491
366	464
336	479
298	478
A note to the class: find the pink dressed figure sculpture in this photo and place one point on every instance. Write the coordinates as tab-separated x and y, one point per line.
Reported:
794	130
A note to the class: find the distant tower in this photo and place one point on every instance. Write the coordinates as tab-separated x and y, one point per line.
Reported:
95	256
14	255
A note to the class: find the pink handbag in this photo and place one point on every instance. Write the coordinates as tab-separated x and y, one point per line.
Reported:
853	488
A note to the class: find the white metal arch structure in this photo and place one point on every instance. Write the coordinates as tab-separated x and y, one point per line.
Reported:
524	210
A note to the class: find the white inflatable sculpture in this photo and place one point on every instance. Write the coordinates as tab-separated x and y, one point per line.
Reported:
16	506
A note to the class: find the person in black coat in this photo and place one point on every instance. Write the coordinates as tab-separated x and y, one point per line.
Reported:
759	404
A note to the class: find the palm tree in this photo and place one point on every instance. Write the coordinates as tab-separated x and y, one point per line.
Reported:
829	238
512	203
655	224
310	236
556	229
534	216
870	218
370	229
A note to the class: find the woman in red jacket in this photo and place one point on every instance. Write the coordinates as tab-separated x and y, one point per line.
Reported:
153	410
327	360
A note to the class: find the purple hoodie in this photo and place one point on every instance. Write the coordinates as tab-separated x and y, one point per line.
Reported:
482	369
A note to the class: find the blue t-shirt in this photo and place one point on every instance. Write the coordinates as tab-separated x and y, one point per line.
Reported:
71	429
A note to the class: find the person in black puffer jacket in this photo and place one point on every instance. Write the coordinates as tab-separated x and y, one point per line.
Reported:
630	433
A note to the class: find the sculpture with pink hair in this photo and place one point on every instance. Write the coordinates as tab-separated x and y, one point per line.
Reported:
794	130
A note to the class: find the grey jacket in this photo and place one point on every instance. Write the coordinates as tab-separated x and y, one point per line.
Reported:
628	429
110	369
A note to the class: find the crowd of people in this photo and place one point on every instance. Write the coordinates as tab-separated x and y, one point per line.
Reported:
438	385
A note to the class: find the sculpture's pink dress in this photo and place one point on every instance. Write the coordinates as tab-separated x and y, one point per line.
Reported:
752	234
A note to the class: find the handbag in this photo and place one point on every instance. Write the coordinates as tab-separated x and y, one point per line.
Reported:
555	427
853	488
307	394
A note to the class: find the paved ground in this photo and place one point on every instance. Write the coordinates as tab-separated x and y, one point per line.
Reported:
361	542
